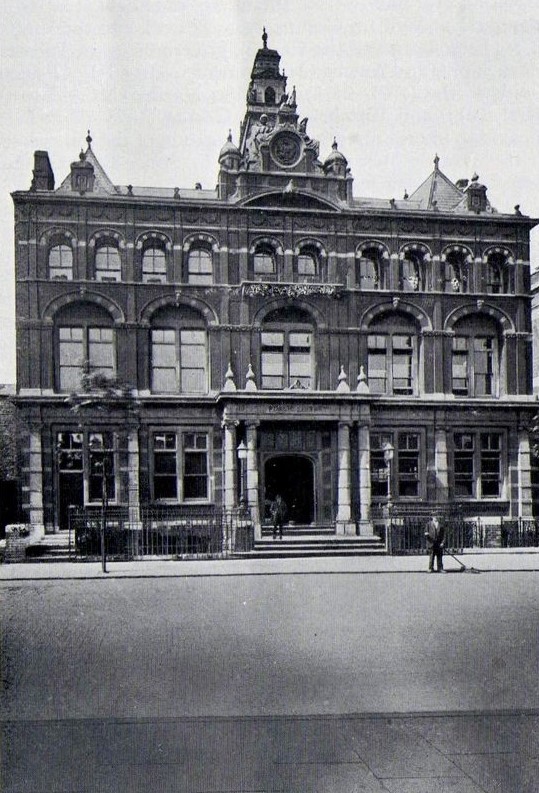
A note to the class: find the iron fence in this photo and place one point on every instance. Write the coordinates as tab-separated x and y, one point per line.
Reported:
519	533
405	534
164	532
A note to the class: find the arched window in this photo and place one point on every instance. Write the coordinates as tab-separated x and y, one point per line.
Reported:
287	350
412	271
499	274
269	96
179	363
61	263
108	266
307	267
264	264
199	266
475	357
154	265
370	270
85	342
393	355
456	272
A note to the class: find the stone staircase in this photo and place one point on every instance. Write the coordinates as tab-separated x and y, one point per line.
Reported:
303	542
299	542
51	548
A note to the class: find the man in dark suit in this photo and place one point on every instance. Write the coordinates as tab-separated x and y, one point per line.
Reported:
435	536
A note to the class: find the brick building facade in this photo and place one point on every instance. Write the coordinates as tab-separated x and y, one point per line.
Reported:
361	351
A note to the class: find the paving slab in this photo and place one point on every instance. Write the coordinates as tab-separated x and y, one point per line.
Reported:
390	753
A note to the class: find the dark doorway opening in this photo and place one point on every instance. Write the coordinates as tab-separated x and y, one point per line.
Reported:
291	476
71	489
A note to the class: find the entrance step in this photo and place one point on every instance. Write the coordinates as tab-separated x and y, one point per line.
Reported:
294	546
51	548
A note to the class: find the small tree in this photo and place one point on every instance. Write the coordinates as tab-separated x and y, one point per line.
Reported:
102	393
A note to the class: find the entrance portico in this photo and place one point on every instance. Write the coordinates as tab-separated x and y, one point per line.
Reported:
310	448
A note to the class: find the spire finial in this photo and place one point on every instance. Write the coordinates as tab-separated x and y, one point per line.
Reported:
89	140
334	144
265	38
436	161
229	136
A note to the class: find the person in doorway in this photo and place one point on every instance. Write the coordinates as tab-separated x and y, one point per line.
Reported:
435	536
278	515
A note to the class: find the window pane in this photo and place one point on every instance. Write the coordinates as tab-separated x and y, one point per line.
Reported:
410	276
264	264
368	274
402	364
101	350
107	263
306	265
200	267
165	484
195	478
71	354
164	361
464	444
273	339
193	361
300	340
61	263
154	265
483	366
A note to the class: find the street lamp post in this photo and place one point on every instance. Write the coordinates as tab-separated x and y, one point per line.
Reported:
389	452
242	457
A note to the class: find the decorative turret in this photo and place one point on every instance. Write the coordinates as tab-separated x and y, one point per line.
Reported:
268	85
335	163
477	195
229	156
82	174
276	157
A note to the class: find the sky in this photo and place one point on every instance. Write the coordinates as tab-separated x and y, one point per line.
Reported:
160	82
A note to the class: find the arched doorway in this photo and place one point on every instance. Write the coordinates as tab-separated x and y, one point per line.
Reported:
291	476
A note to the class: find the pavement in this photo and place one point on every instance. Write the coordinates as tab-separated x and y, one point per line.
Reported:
480	561
492	750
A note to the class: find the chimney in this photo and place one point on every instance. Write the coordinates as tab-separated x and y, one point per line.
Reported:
43	175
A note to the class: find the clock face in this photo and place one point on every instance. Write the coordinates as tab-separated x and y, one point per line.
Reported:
286	148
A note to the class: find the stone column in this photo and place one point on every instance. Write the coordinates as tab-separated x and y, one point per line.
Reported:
229	464
364	452
441	466
252	478
524	475
344	511
133	494
35	480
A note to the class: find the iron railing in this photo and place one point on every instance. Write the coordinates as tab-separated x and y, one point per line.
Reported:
164	532
519	533
406	534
